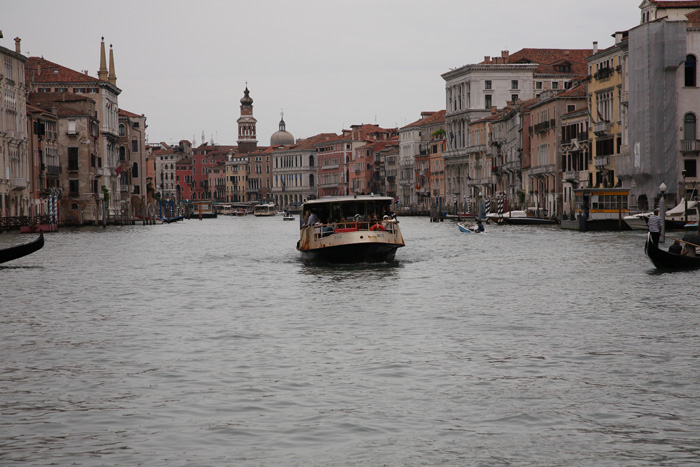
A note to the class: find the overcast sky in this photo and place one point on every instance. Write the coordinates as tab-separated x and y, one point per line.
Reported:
328	64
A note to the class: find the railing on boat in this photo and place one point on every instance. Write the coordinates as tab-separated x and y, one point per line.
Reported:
324	230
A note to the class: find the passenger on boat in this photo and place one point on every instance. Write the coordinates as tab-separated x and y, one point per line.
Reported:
312	219
676	248
688	250
479	226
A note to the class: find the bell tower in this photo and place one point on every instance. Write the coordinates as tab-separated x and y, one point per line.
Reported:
247	138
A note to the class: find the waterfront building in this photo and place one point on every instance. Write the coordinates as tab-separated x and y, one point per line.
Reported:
295	172
608	114
204	159
217	181
480	186
471	91
43	149
576	157
15	164
544	182
420	141
260	175
334	153
77	166
133	180
507	150
389	171
43	76
664	103
165	167
236	170
185	180
366	167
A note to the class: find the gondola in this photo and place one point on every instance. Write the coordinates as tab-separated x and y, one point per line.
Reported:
662	259
17	251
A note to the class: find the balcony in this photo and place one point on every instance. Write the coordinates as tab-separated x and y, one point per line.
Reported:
603	73
601	161
391	178
690	145
18	183
601	128
124	188
53	169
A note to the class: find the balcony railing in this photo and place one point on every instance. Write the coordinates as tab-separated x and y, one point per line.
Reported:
601	128
601	161
18	183
690	145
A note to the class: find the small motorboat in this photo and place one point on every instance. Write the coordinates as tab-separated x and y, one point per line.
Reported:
476	228
288	216
17	251
666	260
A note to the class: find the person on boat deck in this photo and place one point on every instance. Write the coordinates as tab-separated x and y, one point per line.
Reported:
313	218
654	223
329	226
676	248
479	226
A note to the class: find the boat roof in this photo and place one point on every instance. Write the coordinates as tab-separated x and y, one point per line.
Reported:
347	199
680	208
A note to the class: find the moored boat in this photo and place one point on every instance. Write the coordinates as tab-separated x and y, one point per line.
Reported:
350	229
18	251
637	221
666	260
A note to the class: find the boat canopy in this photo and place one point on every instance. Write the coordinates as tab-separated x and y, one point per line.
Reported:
679	210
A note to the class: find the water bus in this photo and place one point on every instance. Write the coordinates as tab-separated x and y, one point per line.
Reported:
264	210
349	229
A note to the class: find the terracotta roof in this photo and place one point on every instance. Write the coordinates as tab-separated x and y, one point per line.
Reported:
676	4
576	91
126	113
60	100
694	17
435	118
549	59
39	70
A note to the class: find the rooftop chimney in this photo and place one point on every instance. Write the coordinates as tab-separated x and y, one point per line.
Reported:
486	58
505	54
595	47
17	47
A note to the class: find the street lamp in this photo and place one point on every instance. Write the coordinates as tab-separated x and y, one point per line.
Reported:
662	211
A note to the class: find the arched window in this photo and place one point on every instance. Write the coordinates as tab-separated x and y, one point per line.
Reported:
311	161
691	71
122	153
689	124
122	130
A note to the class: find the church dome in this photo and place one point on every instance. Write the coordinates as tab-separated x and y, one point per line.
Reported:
281	137
246	99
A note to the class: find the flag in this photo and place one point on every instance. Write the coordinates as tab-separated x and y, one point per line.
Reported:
121	167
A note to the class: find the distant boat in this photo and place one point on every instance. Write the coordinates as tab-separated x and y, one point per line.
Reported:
265	210
288	217
469	228
17	251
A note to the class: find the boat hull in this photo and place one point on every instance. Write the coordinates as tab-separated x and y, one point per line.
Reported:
528	221
18	251
352	253
668	261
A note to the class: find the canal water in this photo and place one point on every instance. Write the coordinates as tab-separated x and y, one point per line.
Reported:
210	343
